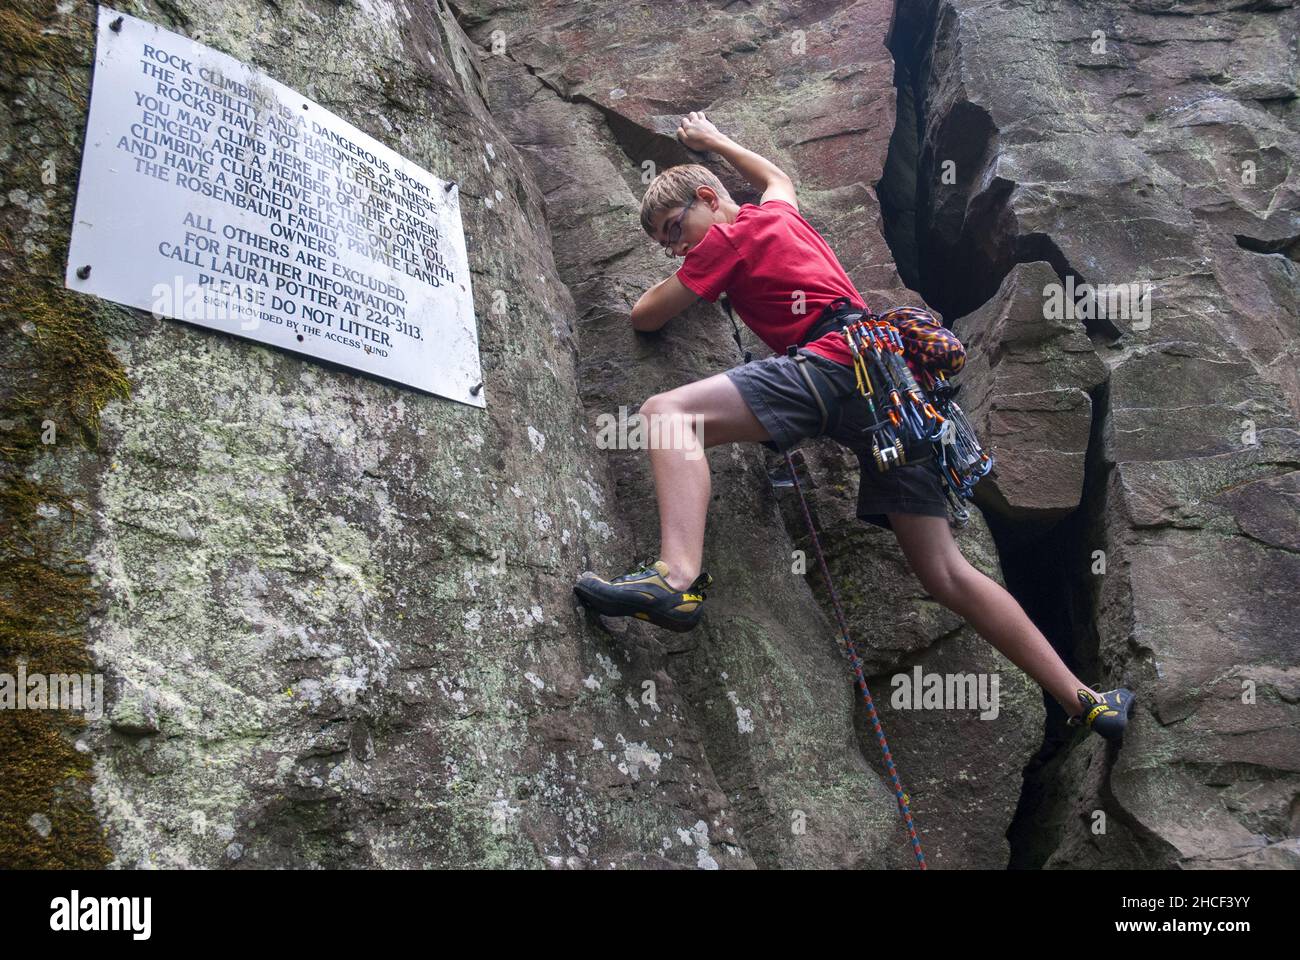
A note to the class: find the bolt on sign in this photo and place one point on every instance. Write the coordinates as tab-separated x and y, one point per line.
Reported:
212	194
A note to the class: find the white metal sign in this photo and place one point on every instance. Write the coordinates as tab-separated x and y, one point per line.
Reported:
213	194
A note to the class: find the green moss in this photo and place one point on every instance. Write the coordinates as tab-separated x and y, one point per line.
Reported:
59	375
32	45
22	33
69	375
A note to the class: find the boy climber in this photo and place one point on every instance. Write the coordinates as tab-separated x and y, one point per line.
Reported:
789	288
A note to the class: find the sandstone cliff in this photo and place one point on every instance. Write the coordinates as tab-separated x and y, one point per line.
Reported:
335	614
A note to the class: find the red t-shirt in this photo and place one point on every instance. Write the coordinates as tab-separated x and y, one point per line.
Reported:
759	261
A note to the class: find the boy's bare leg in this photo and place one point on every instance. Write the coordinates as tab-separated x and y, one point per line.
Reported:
707	412
935	558
712	411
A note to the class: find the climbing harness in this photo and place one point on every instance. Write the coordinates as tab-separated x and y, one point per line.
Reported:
902	360
801	361
855	661
803	366
901	363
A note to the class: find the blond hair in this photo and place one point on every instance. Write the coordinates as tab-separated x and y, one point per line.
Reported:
675	187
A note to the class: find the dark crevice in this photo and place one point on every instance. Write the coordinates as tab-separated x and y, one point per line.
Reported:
897	187
640	144
1052	577
952	246
1288	247
955	242
910	37
964	241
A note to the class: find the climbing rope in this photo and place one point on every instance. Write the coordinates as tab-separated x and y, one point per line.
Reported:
854	660
856	663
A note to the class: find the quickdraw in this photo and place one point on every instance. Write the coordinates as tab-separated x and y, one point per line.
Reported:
902	359
961	460
912	407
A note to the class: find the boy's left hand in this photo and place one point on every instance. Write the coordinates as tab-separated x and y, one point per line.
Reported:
696	131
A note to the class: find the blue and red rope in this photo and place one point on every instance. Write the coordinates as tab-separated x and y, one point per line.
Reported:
856	664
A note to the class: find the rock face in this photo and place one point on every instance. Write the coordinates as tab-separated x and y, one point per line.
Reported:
335	615
1028	386
1135	144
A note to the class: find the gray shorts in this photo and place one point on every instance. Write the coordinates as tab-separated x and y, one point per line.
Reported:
778	395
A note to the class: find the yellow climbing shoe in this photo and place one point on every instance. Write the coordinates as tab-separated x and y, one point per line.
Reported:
646	595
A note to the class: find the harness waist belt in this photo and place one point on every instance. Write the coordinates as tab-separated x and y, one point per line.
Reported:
834	316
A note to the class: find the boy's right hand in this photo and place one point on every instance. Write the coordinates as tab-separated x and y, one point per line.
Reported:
696	131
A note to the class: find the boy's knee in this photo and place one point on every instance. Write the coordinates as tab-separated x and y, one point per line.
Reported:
651	404
945	582
660	403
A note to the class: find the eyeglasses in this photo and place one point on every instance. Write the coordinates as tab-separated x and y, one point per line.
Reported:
675	230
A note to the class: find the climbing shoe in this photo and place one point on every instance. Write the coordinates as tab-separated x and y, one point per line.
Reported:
645	594
1106	716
